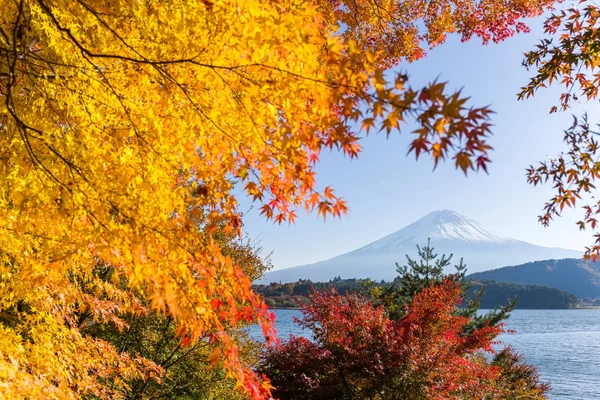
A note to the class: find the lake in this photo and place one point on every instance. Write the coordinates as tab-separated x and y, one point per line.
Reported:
564	344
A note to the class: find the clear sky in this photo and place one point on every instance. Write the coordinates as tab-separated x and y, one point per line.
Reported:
386	190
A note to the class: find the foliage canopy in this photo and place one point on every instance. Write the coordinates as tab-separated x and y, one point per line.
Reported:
126	125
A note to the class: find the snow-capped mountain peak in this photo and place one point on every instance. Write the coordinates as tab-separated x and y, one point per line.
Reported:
439	226
450	233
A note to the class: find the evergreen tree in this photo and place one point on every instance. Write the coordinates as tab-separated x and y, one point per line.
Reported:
428	270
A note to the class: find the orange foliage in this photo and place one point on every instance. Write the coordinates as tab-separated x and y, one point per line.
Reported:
126	126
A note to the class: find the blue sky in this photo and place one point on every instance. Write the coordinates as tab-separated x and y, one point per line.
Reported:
386	190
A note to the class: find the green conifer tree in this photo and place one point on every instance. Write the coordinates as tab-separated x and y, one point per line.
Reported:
428	269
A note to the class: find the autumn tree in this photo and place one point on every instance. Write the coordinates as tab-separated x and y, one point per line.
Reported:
568	56
433	351
359	353
518	379
181	372
127	127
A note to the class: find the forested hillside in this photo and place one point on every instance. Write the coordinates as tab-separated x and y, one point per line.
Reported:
529	296
581	278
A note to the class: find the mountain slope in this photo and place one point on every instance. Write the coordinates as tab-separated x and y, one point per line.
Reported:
450	233
575	276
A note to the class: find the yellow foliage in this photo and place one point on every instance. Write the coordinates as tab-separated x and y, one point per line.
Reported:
125	123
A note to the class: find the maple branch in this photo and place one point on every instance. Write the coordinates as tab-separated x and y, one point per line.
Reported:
23	128
143	60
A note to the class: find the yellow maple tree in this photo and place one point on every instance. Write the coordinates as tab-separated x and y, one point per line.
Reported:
125	126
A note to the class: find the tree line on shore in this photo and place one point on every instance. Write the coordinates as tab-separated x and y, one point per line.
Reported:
496	293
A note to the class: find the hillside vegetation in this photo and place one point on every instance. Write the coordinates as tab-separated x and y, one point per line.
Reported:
581	278
529	296
294	294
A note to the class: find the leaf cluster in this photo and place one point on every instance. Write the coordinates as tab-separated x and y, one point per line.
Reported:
126	126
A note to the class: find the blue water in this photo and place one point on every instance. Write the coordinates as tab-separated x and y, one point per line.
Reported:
564	344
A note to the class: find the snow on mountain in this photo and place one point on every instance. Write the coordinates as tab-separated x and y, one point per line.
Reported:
438	226
450	233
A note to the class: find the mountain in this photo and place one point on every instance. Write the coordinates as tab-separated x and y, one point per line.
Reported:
581	278
450	233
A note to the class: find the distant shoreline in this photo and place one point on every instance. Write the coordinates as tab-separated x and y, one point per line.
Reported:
481	309
291	296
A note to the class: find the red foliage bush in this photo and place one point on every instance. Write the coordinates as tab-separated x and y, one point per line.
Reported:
358	352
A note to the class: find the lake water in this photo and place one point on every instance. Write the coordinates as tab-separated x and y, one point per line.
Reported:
564	344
